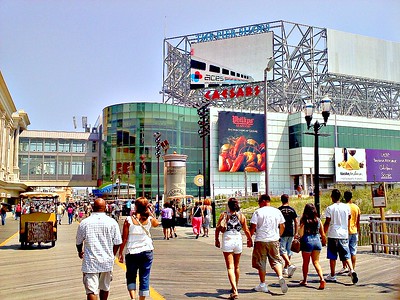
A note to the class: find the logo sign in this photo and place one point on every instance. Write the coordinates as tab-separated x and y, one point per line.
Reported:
199	180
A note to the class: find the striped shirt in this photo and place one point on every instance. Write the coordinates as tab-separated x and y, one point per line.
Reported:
100	233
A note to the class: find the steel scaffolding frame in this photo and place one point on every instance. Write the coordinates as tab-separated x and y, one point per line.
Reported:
300	73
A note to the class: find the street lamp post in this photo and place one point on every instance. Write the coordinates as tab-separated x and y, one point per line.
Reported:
204	123
326	106
269	67
157	137
143	159
112	184
128	173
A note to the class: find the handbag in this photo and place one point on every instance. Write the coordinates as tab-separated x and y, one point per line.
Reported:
223	223
141	225
295	247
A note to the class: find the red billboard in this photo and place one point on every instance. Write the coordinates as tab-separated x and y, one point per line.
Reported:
241	140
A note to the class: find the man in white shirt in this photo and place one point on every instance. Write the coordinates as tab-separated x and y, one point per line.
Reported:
268	224
97	241
336	227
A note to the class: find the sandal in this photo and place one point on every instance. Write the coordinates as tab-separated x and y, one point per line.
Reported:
322	284
233	297
303	283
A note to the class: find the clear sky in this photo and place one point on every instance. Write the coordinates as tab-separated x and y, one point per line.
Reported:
65	58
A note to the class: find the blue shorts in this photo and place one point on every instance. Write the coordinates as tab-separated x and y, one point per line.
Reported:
285	243
336	246
353	241
309	243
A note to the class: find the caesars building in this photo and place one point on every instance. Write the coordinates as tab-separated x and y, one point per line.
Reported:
221	85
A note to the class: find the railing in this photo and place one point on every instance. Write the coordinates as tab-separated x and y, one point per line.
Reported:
385	235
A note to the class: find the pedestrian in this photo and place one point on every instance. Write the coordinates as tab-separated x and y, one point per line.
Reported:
268	224
197	219
174	220
70	211
291	226
3	212
207	216
139	248
97	240
232	242
336	227
18	211
60	213
354	229
166	220
312	238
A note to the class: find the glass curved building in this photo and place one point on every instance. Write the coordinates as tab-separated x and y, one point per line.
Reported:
127	131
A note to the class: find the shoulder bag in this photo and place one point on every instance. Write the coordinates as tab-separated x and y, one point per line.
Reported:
223	223
141	225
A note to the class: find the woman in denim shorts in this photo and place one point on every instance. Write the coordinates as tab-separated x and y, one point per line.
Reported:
311	232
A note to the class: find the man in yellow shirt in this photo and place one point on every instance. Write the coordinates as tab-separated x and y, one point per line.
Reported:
354	229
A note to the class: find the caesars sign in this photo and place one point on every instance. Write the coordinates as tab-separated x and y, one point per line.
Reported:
241	140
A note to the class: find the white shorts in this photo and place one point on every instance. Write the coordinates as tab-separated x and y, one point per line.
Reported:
232	242
95	281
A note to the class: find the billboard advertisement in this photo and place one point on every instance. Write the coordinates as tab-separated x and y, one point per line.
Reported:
350	165
350	54
383	165
230	61
241	140
367	165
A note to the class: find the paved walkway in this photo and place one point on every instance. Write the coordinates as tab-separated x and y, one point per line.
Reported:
184	268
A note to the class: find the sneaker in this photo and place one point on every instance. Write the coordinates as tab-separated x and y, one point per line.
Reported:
262	287
285	271
291	270
283	285
354	277
330	278
343	271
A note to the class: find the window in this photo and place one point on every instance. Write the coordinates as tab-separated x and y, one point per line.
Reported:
195	64
36	145
50	146
215	69
23	145
64	164
64	146
49	165
77	167
78	146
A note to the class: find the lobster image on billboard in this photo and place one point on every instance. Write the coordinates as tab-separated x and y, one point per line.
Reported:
241	140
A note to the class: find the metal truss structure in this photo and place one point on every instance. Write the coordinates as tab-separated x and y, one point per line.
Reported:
300	74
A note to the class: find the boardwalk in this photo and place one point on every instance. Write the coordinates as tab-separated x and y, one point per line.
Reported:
184	268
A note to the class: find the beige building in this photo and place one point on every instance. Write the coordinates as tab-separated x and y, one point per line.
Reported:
12	123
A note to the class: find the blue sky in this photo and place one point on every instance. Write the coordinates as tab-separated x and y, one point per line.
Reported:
65	58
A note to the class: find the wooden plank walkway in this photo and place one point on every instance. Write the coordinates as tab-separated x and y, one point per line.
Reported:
184	268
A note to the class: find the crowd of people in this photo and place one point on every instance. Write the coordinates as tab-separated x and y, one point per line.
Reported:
99	240
274	230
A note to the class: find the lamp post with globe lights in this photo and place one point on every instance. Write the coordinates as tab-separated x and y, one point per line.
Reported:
309	109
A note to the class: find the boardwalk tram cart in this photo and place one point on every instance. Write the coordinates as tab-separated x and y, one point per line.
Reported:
38	222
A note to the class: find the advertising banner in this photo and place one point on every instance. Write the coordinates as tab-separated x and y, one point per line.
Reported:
383	165
350	165
230	61
241	138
